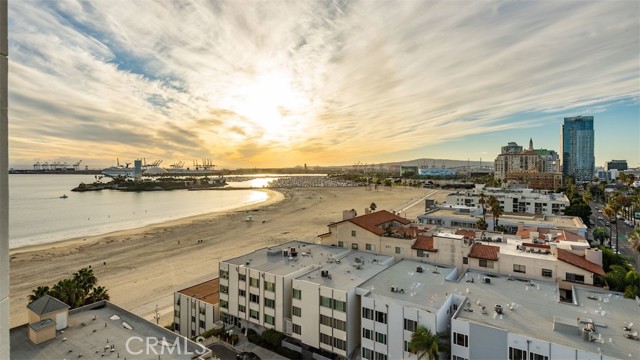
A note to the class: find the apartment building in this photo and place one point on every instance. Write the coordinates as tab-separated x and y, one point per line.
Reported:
513	200
196	308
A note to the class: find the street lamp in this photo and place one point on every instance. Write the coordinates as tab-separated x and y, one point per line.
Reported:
157	315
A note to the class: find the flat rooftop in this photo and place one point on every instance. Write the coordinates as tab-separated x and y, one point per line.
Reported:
92	330
207	291
272	259
348	271
569	222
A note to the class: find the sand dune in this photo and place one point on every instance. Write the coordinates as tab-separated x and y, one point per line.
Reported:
143	267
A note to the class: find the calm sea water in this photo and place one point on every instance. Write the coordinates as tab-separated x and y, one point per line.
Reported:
38	215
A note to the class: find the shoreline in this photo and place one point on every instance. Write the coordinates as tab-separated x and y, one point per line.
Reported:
272	197
142	267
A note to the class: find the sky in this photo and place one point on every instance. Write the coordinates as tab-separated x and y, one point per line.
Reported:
286	83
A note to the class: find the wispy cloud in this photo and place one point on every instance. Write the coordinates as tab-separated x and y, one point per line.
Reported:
283	82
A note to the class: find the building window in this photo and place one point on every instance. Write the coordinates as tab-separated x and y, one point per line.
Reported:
354	246
367	353
242	292
269	286
455	357
176	313
339	305
269	319
176	327
297	294
201	324
465	260
407	347
354	233
297	329
254	298
224	289
381	356
517	354
297	311
224	274
575	278
367	313
254	282
519	268
485	263
367	333
461	339
325	339
242	308
381	317
381	338
254	314
341	244
534	356
270	303
340	325
370	247
398	250
242	277
547	273
202	310
325	320
325	301
193	319
224	304
410	325
422	253
340	344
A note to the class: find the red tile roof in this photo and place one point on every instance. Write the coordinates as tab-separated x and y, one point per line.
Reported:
424	243
207	291
536	245
487	252
468	234
374	220
579	261
550	234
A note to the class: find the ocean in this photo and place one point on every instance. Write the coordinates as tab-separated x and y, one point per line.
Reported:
38	215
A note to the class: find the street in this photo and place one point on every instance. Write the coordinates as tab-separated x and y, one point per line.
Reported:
623	231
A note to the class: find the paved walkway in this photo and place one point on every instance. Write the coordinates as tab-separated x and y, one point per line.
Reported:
244	345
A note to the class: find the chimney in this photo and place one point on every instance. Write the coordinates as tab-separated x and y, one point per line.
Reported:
348	214
593	255
367	211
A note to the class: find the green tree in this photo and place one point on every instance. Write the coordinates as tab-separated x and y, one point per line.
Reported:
481	224
426	344
634	239
67	291
496	209
373	206
482	201
600	235
608	212
98	293
38	292
85	280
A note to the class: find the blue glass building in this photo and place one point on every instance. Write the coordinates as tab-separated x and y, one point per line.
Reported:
578	159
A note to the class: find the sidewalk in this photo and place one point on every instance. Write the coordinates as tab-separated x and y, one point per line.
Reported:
244	345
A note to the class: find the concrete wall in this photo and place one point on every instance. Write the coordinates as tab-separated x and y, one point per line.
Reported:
191	306
487	342
42	335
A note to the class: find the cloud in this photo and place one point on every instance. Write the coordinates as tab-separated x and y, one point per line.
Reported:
289	81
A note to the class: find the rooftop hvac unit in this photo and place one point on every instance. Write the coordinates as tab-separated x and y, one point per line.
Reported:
486	280
419	269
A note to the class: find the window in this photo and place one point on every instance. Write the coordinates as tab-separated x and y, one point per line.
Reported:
410	325
398	250
254	314
297	294
224	289
370	247
407	347
575	277
176	313
519	268
381	356
254	298
354	246
254	282
224	274
485	263
176	327
202	310
547	273
270	303
381	317
201	324
269	286
341	244
354	233
367	353
325	339
242	308
534	356
297	311
381	338
422	253
340	344
339	305
242	277
455	357
269	319
367	333
325	320
517	354
367	313
224	304
461	339
242	292
193	318
339	324
297	329
325	301
465	260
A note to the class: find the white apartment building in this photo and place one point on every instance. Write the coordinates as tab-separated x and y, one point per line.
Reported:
195	308
513	200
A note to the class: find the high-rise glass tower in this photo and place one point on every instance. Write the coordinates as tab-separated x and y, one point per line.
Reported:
577	148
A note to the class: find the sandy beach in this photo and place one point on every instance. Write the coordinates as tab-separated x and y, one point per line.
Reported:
143	267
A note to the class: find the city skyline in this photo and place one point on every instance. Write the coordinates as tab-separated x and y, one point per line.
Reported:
285	84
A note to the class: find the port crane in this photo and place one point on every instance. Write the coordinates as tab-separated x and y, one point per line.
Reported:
76	166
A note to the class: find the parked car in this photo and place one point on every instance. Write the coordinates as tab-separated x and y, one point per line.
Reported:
247	356
606	223
600	218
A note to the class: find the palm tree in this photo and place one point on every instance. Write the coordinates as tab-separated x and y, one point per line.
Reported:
608	212
427	344
99	293
615	206
496	209
68	292
481	224
39	292
600	235
482	201
634	239
85	280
